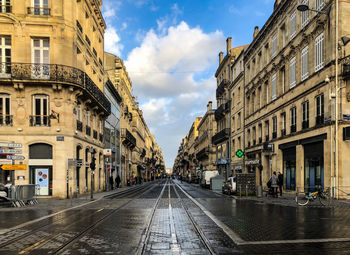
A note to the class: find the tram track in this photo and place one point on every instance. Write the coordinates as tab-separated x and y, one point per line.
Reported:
130	193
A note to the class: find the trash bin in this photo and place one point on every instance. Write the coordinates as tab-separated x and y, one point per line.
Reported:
259	191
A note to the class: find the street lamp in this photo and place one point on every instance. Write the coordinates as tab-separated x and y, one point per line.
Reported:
304	8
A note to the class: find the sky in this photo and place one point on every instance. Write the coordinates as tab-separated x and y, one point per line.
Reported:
170	49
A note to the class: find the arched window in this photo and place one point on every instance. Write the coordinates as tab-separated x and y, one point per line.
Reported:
40	151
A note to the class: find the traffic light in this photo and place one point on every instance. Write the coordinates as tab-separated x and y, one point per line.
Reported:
93	162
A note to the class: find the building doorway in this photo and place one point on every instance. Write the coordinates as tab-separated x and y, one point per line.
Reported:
314	170
289	168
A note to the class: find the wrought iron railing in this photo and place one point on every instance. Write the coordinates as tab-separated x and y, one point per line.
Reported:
5	8
39	10
94	134
221	136
88	130
6	120
79	126
221	88
129	138
57	73
39	120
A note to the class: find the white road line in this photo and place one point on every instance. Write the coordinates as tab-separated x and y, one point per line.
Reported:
239	241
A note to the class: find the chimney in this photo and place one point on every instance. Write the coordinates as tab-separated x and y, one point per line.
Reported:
209	105
256	32
221	56
228	44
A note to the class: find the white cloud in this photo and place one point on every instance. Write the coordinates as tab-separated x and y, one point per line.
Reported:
172	72
112	41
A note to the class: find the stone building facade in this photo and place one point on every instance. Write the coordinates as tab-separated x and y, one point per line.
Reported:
51	77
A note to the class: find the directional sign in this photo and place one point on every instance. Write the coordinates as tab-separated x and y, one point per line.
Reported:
10	151
15	157
72	162
11	145
13	167
5	162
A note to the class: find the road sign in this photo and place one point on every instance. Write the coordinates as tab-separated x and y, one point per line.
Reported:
79	162
13	167
10	151
5	162
72	162
15	157
11	145
107	152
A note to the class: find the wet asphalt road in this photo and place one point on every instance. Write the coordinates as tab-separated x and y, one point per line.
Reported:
169	217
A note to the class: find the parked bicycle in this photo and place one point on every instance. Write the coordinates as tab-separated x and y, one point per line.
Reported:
323	196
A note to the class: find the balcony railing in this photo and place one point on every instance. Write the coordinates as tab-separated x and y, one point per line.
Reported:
57	73
101	137
94	134
305	124
221	88
39	10
221	136
319	120
293	128
79	126
6	120
203	153
129	139
5	8
39	120
219	112
88	130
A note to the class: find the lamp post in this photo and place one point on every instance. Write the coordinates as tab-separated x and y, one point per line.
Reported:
303	8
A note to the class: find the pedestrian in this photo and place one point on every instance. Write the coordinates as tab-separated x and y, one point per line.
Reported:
117	180
111	181
274	183
280	182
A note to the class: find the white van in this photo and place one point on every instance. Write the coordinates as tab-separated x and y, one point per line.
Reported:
206	175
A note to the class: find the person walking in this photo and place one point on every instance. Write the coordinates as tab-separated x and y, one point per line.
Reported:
274	184
111	181
117	180
280	182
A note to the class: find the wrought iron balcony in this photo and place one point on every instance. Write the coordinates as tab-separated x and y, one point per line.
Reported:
204	153
39	10
5	8
305	124
319	120
39	120
55	73
219	112
88	130
221	136
79	126
94	134
128	138
221	88
6	120
143	153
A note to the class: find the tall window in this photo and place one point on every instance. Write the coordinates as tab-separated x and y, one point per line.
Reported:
273	87
254	135
292	81
5	110
274	46
239	121
305	14
41	7
267	91
305	63
5	55
305	123
260	133
5	6
319	4
40	111
319	109
260	97
274	127
284	123
267	131
293	25
293	120
41	58
79	112
319	44
87	118
283	79
283	35
248	137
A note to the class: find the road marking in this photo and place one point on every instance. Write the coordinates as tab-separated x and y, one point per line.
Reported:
101	210
32	246
176	246
235	238
296	241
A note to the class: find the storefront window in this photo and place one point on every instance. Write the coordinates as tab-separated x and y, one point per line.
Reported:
289	168
314	170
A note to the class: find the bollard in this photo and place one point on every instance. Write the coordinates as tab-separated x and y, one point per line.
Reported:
246	190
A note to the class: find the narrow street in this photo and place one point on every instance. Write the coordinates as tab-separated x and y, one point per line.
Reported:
170	217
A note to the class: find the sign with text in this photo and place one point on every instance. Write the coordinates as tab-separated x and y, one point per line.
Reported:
13	167
15	157
107	152
11	145
5	162
10	151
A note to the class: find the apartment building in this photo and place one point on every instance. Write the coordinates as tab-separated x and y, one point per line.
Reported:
51	77
290	85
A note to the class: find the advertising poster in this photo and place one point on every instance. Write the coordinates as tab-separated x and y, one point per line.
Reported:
42	179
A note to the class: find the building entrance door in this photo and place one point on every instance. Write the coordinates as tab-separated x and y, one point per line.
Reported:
314	170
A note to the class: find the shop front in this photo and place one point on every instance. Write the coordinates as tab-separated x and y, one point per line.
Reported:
289	168
314	166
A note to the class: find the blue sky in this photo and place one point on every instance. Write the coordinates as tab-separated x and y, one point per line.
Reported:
170	49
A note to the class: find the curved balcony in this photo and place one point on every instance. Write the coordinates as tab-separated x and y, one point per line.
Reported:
29	72
221	136
221	88
128	138
204	153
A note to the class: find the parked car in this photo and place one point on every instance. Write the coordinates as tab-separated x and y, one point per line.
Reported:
230	186
206	175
